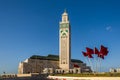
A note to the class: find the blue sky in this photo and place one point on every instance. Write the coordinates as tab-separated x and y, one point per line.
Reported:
30	27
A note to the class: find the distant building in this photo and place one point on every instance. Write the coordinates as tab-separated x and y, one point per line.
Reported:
112	70
118	70
115	70
52	63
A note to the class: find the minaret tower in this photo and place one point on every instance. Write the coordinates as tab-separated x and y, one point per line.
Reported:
64	43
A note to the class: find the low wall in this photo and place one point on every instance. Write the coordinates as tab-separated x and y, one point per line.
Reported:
24	75
83	78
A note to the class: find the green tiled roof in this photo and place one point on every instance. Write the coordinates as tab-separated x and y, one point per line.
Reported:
52	57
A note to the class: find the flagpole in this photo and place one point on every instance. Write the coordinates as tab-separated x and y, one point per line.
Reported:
91	64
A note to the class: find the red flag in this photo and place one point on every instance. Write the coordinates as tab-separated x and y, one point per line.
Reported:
103	50
85	54
96	51
89	51
75	65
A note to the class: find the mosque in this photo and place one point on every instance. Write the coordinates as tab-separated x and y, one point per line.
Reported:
61	63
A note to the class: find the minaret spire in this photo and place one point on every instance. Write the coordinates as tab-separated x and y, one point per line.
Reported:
65	17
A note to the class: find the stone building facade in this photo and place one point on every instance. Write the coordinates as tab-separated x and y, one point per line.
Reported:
46	64
36	65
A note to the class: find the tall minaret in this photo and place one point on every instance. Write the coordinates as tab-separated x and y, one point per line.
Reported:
64	43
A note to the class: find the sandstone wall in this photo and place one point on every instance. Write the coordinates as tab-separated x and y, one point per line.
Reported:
36	66
83	78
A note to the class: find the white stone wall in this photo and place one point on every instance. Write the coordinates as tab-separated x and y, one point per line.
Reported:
113	70
36	66
83	78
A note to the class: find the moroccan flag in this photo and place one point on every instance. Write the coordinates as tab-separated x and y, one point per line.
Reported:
85	54
103	50
96	51
89	51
